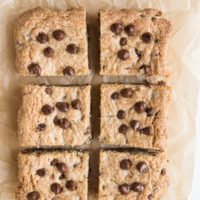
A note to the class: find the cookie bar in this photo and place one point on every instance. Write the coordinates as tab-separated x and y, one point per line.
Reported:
134	115
54	116
50	43
132	176
133	42
53	176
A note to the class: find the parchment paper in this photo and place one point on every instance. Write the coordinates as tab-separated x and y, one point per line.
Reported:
182	58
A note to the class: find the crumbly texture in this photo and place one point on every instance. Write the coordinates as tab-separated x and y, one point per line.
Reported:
146	35
30	45
54	116
42	178
133	169
138	120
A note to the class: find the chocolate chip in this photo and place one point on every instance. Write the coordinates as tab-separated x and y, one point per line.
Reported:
123	128
163	172
41	127
54	162
63	123
72	48
42	38
123	41
71	185
150	197
48	90
123	54
69	71
115	95
130	30
153	18
147	69
139	53
56	188
125	164
126	92
87	131
135	125
47	109
62	167
116	28
62	106
62	176
146	130
140	107
34	69
48	52
120	114
33	195
147	37
76	104
40	172
142	167
56	121
150	111
124	189
137	187
59	35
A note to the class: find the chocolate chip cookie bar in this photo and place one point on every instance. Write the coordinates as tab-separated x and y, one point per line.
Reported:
53	176
133	43
134	115
50	43
54	116
132	176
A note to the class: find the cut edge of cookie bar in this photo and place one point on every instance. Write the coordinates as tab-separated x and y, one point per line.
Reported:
136	138
37	129
137	184
68	52
38	169
131	39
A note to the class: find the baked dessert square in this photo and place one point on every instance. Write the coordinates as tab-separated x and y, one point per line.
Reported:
53	175
134	115
54	116
133	43
132	176
50	43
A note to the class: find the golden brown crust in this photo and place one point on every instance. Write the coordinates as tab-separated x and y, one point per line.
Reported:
30	116
77	170
153	53
155	97
29	50
112	175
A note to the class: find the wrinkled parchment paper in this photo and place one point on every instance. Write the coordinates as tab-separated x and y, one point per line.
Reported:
182	58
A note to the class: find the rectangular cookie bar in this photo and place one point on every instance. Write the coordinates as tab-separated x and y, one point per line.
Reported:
133	42
50	43
53	175
132	176
54	116
134	115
